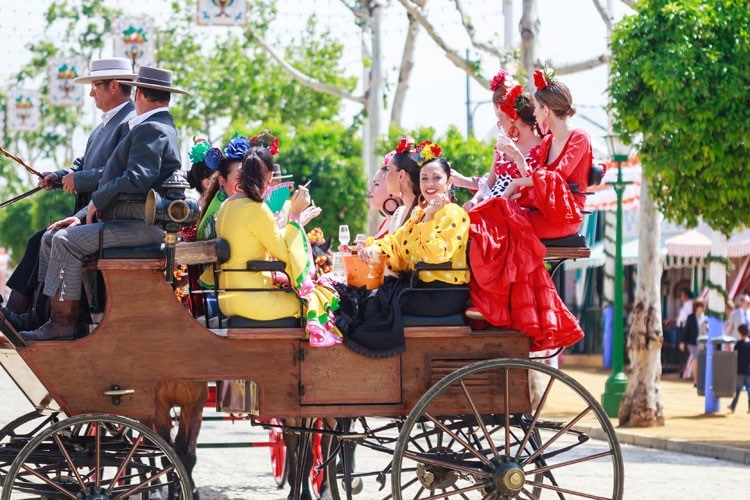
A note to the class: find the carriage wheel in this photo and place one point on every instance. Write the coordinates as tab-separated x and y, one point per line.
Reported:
278	452
16	434
96	457
546	453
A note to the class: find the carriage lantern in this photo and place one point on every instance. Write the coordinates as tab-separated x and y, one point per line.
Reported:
172	213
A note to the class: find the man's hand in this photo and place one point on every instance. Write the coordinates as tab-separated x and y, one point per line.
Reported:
66	222
90	213
46	181
68	184
309	214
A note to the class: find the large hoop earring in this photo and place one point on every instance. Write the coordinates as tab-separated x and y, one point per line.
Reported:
390	205
514	133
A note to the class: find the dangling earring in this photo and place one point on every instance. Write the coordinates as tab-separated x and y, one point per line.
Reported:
390	205
422	200
513	132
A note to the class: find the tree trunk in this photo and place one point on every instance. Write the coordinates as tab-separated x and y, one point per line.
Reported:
407	64
529	27
375	106
642	404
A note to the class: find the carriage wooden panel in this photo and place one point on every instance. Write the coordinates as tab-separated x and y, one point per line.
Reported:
146	336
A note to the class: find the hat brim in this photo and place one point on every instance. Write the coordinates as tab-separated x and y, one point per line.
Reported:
173	90
120	77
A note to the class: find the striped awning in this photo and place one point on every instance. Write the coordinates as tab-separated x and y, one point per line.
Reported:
689	244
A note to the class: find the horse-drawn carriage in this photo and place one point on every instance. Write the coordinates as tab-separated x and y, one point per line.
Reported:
452	417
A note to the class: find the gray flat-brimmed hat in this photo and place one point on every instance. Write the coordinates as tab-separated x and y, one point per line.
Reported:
116	68
155	78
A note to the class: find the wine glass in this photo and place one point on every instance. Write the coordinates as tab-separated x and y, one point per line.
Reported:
344	235
359	240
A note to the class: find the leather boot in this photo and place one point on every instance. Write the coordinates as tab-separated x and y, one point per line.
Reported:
17	302
29	320
62	322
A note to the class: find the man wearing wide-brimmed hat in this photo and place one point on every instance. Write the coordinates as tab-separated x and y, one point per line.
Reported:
147	155
113	98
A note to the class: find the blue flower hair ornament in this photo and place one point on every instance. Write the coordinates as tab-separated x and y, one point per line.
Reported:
236	148
213	158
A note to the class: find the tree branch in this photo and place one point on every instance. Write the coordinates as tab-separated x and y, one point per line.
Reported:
630	3
450	53
566	69
604	14
358	12
304	79
469	27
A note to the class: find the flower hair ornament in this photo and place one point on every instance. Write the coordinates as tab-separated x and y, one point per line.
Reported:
405	145
267	140
387	157
197	153
213	157
426	151
498	80
542	78
510	104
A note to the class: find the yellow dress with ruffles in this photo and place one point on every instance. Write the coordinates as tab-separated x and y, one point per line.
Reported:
442	239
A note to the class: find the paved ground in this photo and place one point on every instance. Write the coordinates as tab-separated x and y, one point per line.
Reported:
687	428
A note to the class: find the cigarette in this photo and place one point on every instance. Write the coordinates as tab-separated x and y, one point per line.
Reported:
307	183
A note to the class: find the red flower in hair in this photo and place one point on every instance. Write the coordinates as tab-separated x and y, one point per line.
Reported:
498	80
540	81
405	145
508	104
274	148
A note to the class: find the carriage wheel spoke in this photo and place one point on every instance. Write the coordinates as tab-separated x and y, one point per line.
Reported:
529	494
126	460
506	401
69	461
566	490
46	480
98	437
547	468
426	459
146	482
458	491
479	420
460	441
559	433
534	420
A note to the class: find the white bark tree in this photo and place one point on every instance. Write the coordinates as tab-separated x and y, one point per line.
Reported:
642	404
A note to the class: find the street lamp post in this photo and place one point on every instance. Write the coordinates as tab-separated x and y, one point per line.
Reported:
616	384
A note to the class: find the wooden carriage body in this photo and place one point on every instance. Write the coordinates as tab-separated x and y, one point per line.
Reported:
147	337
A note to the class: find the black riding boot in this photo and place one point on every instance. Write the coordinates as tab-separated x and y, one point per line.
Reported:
62	322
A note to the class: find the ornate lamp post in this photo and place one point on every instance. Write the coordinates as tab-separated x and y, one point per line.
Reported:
615	386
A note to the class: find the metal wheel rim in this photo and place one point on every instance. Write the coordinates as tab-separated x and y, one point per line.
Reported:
96	456
477	473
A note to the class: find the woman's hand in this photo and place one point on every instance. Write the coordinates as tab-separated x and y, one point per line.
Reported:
300	201
512	192
434	205
309	214
371	253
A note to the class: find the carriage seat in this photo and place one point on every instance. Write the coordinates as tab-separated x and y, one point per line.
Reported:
155	251
453	319
242	322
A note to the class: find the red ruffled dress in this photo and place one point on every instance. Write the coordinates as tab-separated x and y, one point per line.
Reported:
510	284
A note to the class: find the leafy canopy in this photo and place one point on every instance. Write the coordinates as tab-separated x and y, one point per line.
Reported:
680	78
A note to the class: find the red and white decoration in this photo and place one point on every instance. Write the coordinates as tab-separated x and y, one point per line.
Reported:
62	90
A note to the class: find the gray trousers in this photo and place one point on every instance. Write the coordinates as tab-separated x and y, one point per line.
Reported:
63	251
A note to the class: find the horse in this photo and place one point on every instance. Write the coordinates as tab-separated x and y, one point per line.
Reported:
190	397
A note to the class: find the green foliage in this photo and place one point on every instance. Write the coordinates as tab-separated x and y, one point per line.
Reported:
680	78
331	155
469	156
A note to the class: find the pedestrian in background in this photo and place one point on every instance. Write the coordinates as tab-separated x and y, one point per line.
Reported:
696	326
743	367
738	316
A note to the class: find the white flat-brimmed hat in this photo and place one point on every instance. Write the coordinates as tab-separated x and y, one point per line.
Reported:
155	78
116	68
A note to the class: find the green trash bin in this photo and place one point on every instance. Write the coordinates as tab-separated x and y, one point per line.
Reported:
723	367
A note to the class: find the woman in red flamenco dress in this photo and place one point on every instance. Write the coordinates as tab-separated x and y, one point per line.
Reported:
510	286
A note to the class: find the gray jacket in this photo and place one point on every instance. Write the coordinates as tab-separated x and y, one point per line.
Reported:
147	156
99	147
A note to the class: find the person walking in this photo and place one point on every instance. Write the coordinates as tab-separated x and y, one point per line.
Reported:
696	326
147	156
742	346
